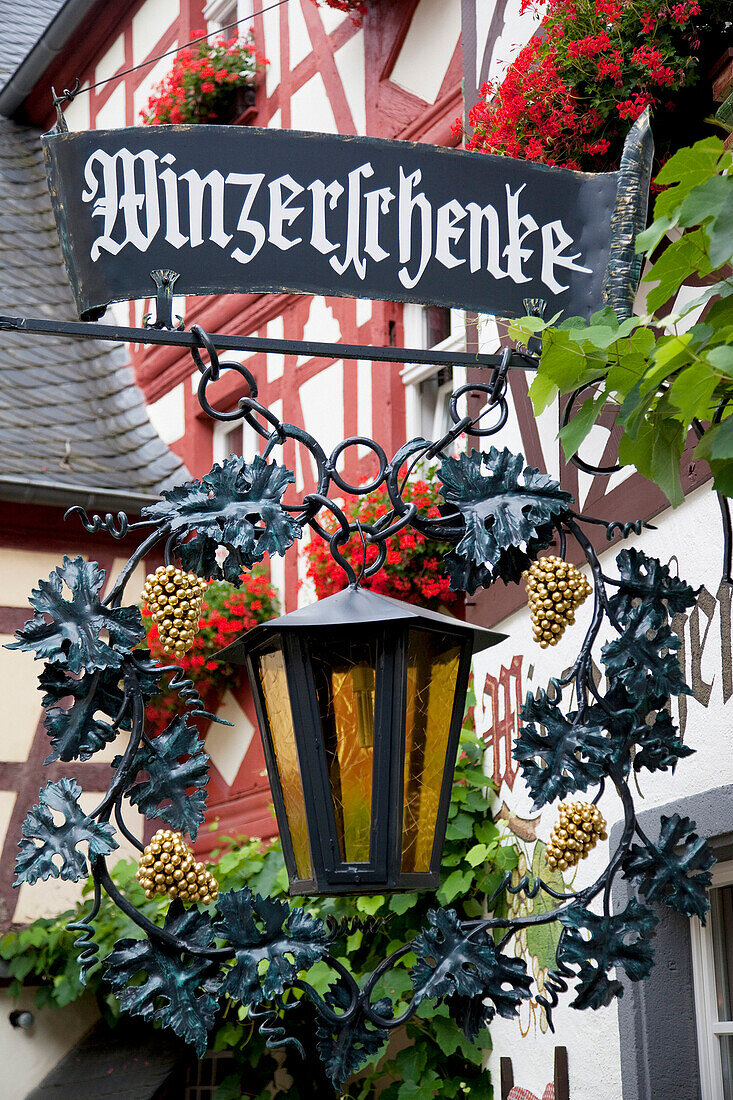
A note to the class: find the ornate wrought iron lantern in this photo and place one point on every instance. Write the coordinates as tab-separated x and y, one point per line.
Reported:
359	700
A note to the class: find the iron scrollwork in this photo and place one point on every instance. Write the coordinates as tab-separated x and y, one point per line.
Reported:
498	516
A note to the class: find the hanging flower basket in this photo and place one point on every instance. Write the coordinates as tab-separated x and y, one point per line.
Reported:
211	81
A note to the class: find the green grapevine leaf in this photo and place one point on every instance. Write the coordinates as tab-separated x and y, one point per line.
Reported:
449	964
568	756
344	1050
505	508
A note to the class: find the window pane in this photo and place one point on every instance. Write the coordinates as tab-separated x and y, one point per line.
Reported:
345	685
432	671
722	931
280	720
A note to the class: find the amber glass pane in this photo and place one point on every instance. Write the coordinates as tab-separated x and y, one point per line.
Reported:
345	682
432	671
280	719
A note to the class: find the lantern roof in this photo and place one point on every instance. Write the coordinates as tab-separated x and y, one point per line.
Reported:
358	606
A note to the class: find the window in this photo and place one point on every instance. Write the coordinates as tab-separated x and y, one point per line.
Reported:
428	388
237	438
220	13
712	967
205	1076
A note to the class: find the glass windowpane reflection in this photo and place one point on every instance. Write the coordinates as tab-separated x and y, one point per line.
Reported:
432	672
345	686
280	720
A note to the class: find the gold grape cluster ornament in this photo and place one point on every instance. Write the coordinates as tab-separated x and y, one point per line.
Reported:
575	832
174	599
168	866
555	590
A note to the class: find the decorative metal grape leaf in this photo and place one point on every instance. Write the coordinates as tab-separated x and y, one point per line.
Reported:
75	635
659	745
647	579
235	506
644	659
574	750
345	1050
174	762
51	850
451	963
77	732
470	1013
508	515
679	878
266	930
619	940
177	989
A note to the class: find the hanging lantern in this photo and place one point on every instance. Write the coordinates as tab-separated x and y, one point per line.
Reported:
359	700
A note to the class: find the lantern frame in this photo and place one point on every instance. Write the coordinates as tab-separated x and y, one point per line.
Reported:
387	623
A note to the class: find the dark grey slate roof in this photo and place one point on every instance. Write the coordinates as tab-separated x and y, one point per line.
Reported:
71	417
22	22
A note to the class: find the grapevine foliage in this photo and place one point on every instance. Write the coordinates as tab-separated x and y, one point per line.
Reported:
235	506
51	850
676	870
171	774
266	935
177	989
74	636
508	513
344	1050
450	964
595	944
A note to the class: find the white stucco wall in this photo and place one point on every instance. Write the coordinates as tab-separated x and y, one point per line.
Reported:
27	1056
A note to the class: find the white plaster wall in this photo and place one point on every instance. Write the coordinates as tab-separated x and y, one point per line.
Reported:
167	414
692	534
428	48
27	1056
149	24
112	114
76	113
350	63
300	43
228	745
516	32
322	401
271	23
148	84
112	60
310	108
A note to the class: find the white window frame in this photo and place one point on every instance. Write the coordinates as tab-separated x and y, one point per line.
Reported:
219	13
414	374
709	1028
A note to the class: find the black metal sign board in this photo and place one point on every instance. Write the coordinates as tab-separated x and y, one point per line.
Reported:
238	209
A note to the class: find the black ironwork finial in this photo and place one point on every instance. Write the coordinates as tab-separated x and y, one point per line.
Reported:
164	283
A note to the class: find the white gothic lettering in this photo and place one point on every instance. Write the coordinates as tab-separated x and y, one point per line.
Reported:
138	197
